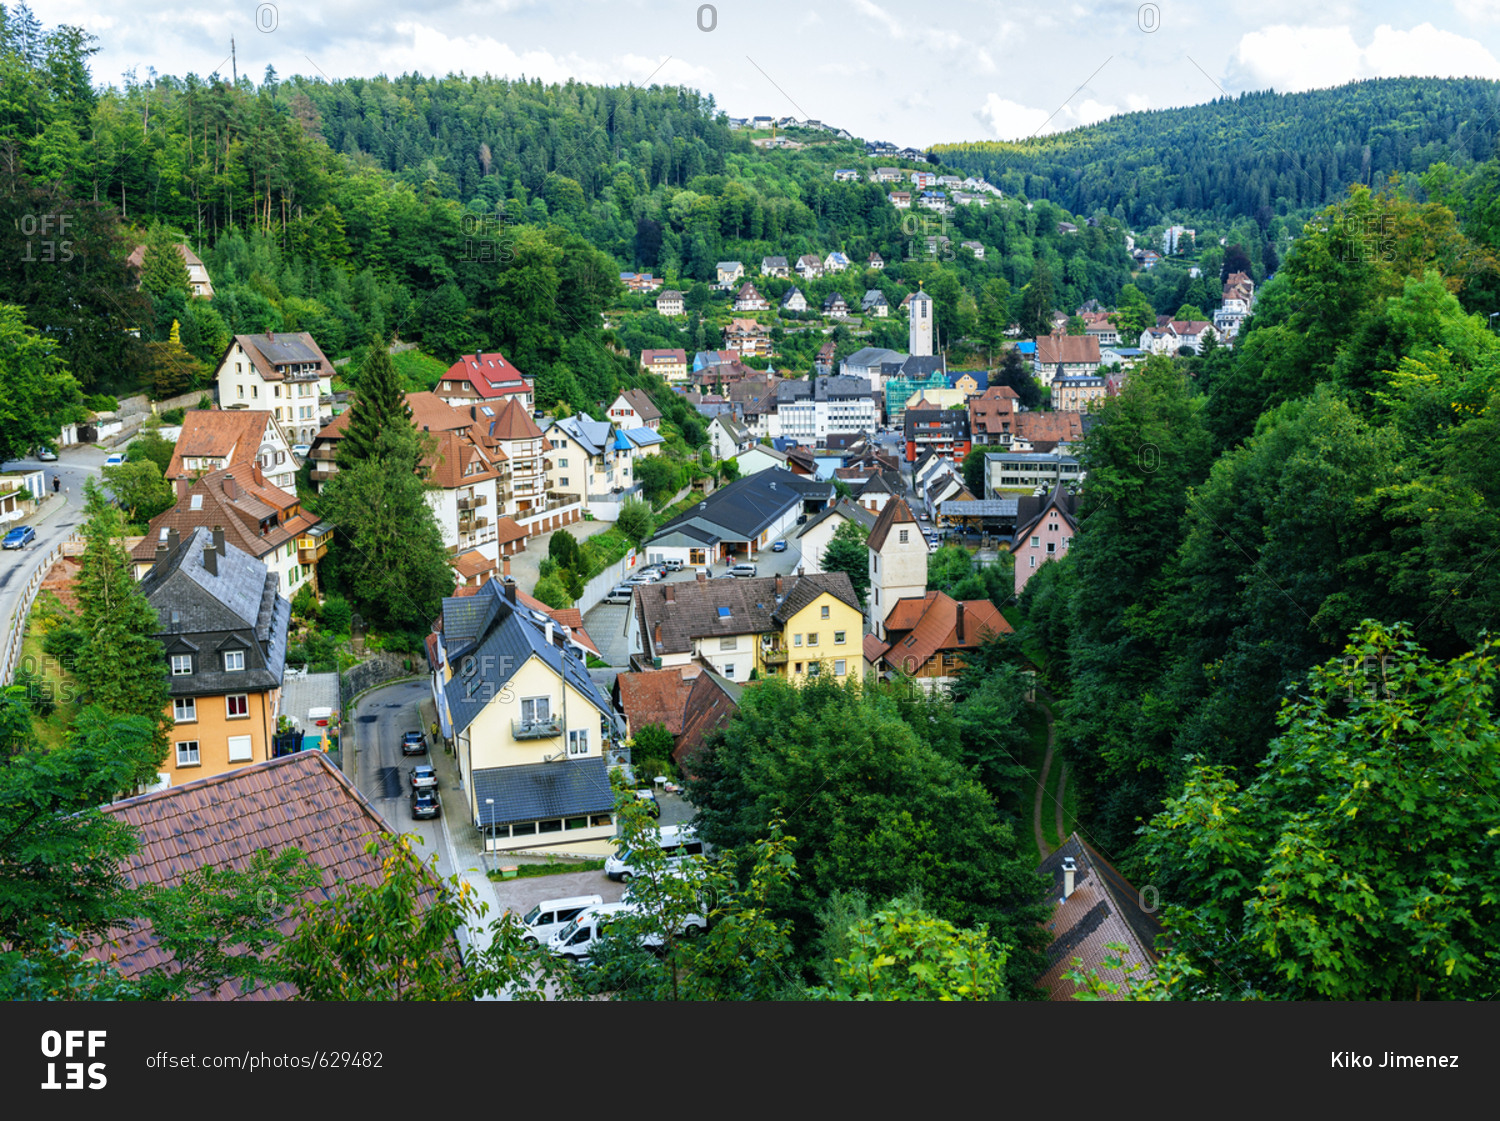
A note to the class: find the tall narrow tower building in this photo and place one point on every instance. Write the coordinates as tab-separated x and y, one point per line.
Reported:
920	311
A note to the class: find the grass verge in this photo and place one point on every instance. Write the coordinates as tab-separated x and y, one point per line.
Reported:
552	868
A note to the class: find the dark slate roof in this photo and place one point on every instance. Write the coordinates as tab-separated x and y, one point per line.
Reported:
537	791
805	589
1030	508
921	365
741	510
979	508
694	612
483	661
205	613
892	512
848	508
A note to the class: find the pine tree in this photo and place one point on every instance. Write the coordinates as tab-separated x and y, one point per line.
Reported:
120	664
379	403
163	269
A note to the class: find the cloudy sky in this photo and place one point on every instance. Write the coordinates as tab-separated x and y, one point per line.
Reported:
955	70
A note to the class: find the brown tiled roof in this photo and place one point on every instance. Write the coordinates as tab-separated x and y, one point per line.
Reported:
657	696
710	704
642	404
513	422
1052	349
471	564
429	413
1049	426
1103	908
874	649
920	628
240	516
694	612
507	531
890	514
299	800
234	435
664	357
251	344
458	462
563	616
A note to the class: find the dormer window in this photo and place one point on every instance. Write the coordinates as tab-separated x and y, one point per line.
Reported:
234	661
182	665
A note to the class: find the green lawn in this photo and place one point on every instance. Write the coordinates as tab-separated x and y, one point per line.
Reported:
51	731
552	868
419	371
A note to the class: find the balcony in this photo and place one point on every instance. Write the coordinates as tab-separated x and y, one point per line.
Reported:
310	550
535	729
774	657
473	503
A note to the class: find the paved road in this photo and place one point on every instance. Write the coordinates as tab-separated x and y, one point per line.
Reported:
54	524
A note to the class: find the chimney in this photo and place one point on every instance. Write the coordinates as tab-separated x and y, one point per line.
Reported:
231	488
182	483
510	586
210	560
958	625
1070	870
778	586
219	540
549	632
656	637
800	570
702	576
671	594
505	566
173	540
162	550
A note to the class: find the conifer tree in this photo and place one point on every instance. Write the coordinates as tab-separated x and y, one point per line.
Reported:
163	269
379	402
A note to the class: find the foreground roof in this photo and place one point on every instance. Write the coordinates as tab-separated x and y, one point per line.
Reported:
300	800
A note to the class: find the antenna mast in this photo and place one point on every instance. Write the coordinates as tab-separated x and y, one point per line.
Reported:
234	69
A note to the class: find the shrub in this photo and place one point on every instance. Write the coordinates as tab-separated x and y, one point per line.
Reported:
305	603
173	416
337	615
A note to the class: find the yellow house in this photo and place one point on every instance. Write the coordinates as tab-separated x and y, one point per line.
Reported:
530	729
793	627
821	633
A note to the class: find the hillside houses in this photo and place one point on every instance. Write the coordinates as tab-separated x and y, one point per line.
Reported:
809	266
794	300
670	302
286	373
775	266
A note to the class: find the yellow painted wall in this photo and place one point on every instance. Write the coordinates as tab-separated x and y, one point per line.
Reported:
212	730
808	622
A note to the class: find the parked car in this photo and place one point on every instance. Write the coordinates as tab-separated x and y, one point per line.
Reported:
551	915
672	565
779	547
19	537
620	593
680	842
424	777
646	576
742	570
115	460
578	938
413	743
424	803
301	450
45	455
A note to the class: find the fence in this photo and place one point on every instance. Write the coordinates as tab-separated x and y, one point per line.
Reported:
597	588
17	632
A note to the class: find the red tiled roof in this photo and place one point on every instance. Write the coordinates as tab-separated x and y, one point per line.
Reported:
656	697
240	515
1053	427
927	626
709	706
490	374
299	800
890	514
1052	349
234	435
874	649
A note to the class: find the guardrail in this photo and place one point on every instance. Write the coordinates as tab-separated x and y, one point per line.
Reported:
16	633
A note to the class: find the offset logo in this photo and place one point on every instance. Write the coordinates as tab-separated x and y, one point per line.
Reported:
68	1045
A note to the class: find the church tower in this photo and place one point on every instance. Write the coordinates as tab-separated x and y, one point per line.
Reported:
920	331
898	562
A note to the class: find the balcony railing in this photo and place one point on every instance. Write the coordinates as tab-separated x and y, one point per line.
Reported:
473	503
774	657
535	729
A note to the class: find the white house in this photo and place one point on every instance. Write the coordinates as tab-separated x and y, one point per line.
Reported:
285	373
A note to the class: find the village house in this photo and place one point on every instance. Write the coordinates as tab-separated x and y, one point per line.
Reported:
974	247
901	200
875	303
1045	527
740	519
591	459
728	272
775	266
727	437
835	262
749	299
927	638
835	305
670	302
213	439
875	262
199	283
809	266
223	629
286	373
794	300
670	365
634	409
481	378
1076	354
748	338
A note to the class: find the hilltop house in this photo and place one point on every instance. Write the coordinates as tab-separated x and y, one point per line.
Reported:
213	439
285	373
670	302
483	379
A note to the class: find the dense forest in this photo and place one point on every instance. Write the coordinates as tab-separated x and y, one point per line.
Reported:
1259	154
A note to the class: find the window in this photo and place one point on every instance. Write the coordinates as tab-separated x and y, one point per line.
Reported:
1033	561
241	388
277	391
903	537
237	705
796	640
578	742
184	710
187	753
696	556
874	562
182	665
838	637
234	660
255	391
1051	548
240	750
196	503
825	611
1065	541
1035	542
839	668
728	669
813	669
563	481
536	710
731	643
563	462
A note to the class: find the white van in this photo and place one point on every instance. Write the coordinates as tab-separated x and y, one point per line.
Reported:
551	915
578	938
680	842
742	570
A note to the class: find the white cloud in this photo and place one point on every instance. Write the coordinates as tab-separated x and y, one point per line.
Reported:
1010	120
1478	9
1135	102
1290	59
932	38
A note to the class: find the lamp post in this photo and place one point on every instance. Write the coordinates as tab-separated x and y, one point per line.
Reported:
489	802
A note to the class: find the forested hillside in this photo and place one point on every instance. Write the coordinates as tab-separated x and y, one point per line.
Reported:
1256	155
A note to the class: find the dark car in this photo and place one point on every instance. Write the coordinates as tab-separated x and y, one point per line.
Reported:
19	537
423	777
801	519
413	743
779	547
424	803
